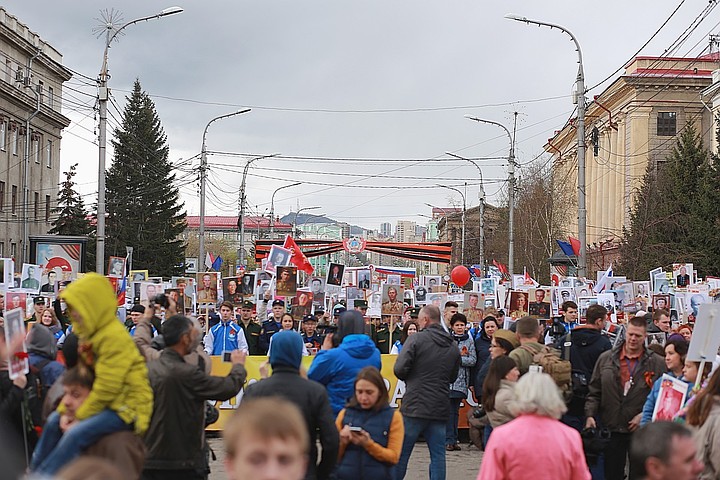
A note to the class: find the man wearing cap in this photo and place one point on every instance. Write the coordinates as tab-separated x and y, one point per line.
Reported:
271	326
136	313
309	396
226	335
361	306
309	335
338	310
250	328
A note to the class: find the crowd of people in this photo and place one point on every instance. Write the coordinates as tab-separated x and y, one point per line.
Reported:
133	399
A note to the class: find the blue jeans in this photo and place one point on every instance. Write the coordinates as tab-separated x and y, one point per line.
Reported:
486	434
434	433
451	429
56	449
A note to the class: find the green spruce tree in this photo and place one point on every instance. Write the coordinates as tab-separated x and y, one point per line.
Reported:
72	218
144	210
675	216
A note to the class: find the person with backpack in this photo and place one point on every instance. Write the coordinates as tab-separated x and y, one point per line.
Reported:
584	343
542	358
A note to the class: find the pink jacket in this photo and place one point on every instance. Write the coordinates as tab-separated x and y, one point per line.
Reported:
532	447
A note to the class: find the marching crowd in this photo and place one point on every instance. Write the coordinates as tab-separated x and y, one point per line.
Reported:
132	400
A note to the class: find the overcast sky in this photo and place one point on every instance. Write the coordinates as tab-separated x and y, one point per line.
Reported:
347	80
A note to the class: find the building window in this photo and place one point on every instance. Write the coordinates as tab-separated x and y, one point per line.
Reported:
47	208
3	135
2	249
14	146
50	97
40	90
666	124
2	196
13	250
36	148
48	153
13	200
8	70
37	205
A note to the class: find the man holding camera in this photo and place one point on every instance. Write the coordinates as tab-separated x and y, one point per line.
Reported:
226	335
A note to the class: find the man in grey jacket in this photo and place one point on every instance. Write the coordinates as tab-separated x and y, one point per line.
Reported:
428	364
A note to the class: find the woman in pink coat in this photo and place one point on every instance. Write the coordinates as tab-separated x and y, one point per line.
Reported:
513	452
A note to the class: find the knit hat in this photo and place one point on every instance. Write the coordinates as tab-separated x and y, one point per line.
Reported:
506	335
287	346
42	342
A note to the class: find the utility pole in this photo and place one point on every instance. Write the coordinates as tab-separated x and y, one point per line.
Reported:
511	197
26	167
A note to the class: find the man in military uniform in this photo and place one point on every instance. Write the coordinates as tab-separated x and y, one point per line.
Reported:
380	333
250	327
472	312
393	306
362	307
271	326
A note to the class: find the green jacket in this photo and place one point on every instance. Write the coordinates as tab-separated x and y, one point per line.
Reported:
252	336
381	336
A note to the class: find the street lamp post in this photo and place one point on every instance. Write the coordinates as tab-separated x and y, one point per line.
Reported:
241	218
511	190
103	96
298	213
462	241
203	179
481	198
579	99
272	206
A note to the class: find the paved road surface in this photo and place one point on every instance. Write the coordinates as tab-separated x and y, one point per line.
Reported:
461	465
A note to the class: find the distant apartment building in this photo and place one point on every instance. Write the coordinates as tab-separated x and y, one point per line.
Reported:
31	83
405	231
386	229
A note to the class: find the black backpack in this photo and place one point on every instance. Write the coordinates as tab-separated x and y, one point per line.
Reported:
35	392
580	383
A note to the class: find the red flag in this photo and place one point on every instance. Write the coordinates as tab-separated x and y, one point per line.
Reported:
503	269
298	258
575	243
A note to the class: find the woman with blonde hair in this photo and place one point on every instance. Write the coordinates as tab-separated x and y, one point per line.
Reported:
513	452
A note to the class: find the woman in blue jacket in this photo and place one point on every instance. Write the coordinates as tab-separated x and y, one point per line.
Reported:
675	350
336	368
371	432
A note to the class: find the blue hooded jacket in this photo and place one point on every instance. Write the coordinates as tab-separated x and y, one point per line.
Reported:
337	368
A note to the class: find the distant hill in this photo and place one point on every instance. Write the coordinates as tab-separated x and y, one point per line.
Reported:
303	218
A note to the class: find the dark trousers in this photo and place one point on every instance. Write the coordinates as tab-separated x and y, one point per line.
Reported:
172	475
616	455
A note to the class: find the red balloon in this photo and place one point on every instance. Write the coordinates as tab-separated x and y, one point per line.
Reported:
460	275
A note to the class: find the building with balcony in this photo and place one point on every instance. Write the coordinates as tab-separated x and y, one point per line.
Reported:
31	124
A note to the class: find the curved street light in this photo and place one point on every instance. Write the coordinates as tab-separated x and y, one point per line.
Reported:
103	96
272	206
481	198
579	99
462	241
511	189
203	178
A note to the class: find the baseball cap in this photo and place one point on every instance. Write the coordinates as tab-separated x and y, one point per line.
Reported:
338	309
309	318
278	303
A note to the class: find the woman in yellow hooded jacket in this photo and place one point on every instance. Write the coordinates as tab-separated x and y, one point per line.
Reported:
121	397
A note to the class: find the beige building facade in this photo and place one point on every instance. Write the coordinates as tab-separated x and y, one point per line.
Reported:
31	83
633	124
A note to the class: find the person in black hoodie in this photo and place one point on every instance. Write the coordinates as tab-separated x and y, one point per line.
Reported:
586	343
308	395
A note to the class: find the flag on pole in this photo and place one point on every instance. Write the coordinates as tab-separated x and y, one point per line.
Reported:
575	243
528	279
121	292
602	283
217	263
208	260
298	258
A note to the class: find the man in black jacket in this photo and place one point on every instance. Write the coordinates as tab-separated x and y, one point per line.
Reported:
308	395
428	363
586	343
175	437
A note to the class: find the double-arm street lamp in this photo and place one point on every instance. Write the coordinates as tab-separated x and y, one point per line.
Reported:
481	197
511	189
462	237
272	206
298	213
579	99
203	180
103	96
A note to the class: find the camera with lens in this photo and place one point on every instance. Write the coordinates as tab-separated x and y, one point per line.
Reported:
161	300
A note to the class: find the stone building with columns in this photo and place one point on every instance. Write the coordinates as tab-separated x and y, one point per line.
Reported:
632	125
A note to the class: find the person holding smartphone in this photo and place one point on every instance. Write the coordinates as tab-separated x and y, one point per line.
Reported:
371	432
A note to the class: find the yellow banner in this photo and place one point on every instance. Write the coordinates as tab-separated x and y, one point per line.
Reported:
252	365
